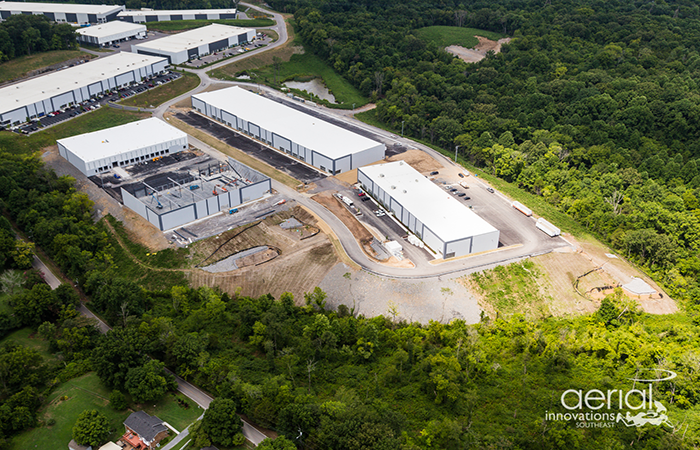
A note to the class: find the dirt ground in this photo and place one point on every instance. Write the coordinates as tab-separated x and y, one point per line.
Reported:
138	228
333	205
476	54
418	159
257	258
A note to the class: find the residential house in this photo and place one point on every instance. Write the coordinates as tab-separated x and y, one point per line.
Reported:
144	431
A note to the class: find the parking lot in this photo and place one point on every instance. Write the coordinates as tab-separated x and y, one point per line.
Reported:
94	103
278	160
260	41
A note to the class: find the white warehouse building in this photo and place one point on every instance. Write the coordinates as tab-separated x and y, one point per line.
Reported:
441	221
42	95
323	145
110	33
179	14
96	152
182	47
63	13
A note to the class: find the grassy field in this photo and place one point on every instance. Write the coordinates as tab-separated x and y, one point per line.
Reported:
182	25
88	392
104	117
303	67
445	36
19	67
24	337
157	96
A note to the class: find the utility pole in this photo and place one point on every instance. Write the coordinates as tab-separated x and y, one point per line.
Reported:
402	122
456	148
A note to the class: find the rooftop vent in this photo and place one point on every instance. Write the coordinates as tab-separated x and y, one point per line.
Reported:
393	187
381	175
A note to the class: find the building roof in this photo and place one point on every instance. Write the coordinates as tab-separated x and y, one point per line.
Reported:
193	38
110	446
445	215
59	7
111	28
176	12
145	425
47	86
72	445
124	138
311	132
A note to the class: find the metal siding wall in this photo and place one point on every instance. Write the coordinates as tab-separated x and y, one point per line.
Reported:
321	160
134	204
256	190
198	104
178	217
62	99
201	209
14	116
94	88
153	218
344	164
125	78
281	143
227	117
460	248
213	205
432	241
487	241
254	130
365	180
368	156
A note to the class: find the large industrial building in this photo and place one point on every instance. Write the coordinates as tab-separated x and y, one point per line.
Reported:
63	13
111	33
99	151
180	14
42	95
182	47
198	195
441	221
323	145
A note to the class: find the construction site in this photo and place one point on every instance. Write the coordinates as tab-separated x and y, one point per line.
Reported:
174	190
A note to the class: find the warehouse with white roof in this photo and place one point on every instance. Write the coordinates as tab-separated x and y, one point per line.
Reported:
444	223
63	12
42	95
110	33
99	151
321	144
182	47
179	14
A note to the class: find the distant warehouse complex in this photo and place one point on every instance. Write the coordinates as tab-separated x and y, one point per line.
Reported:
320	144
182	47
444	224
180	14
110	33
124	145
63	13
42	95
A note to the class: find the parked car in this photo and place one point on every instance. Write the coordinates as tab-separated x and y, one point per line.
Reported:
435	172
467	198
490	190
461	194
461	175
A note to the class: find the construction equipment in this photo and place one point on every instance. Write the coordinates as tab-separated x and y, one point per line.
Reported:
153	194
194	187
214	192
233	210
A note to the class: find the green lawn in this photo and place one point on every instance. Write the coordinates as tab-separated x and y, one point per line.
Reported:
303	68
182	25
104	117
445	36
19	67
88	392
24	337
161	94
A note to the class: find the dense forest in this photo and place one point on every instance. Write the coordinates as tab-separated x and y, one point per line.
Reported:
323	379
592	106
23	34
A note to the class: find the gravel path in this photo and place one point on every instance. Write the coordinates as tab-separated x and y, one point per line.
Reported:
416	300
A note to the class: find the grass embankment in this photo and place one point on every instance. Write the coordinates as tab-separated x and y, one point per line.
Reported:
159	270
161	94
21	66
538	204
104	117
87	392
238	155
182	25
444	36
25	337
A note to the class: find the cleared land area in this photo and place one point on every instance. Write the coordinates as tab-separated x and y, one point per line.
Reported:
444	36
182	25
22	66
161	94
341	212
73	397
104	117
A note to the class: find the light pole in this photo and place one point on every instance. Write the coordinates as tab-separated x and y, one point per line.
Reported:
456	148
353	108
402	127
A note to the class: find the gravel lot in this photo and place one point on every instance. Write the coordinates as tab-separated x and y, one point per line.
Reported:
416	300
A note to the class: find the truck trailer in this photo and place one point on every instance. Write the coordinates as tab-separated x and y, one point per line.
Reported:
547	227
522	208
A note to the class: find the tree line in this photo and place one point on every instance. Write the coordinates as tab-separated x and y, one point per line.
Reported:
22	34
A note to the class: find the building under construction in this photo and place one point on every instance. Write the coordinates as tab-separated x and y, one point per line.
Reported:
174	199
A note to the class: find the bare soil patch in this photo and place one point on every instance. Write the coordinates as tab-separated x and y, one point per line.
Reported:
476	54
417	159
333	205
